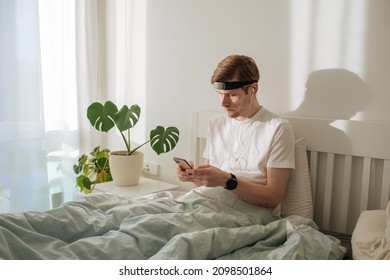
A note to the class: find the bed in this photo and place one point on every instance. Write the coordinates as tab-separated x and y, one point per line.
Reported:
342	179
319	212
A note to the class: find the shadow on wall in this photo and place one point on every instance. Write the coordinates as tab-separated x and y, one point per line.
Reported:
333	94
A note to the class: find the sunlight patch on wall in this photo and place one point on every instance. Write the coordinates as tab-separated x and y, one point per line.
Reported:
354	51
325	34
300	17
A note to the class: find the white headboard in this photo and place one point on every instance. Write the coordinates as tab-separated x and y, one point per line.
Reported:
349	164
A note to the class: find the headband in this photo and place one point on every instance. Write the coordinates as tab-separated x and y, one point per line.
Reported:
231	85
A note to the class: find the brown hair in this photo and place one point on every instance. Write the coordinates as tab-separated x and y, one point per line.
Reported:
236	68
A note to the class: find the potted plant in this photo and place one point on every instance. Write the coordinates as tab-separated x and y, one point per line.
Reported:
126	166
92	169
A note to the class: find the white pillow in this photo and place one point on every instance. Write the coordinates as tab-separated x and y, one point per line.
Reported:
298	196
371	235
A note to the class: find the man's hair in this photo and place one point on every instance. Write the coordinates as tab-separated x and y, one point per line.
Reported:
236	68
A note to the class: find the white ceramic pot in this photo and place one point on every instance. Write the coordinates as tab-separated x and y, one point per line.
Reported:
126	170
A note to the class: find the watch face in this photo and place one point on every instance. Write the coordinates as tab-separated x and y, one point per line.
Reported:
231	184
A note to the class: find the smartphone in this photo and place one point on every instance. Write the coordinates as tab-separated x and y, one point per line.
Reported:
182	163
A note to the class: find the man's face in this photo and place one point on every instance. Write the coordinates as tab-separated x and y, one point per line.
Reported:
236	103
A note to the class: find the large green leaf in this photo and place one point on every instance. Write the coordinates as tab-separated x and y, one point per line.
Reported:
127	117
102	116
163	141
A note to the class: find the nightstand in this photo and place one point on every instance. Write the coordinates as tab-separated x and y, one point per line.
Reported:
145	186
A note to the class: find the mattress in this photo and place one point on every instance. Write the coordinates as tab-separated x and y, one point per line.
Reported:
370	238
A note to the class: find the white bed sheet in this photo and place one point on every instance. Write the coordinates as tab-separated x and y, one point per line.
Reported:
205	223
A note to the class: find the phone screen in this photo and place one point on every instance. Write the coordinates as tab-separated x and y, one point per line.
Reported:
182	163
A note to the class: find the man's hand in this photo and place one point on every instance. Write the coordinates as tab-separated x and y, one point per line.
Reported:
207	175
182	174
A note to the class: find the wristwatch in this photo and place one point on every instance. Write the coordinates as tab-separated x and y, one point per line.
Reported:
231	184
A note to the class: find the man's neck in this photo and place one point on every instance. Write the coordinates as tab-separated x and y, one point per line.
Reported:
255	108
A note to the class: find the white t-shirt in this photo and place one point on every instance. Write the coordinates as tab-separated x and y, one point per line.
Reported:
247	148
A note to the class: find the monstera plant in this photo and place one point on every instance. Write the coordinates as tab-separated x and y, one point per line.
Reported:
106	116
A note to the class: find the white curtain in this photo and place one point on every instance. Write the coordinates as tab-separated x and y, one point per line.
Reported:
23	176
110	63
58	56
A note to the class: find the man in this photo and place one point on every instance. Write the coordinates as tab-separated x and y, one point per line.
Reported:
249	150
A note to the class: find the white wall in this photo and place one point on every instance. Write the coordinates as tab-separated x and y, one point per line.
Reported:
324	58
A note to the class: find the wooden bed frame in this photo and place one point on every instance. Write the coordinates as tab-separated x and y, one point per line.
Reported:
349	163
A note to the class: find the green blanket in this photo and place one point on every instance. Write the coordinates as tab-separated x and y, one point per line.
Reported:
205	223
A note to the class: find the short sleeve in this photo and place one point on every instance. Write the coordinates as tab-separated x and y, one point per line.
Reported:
282	153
